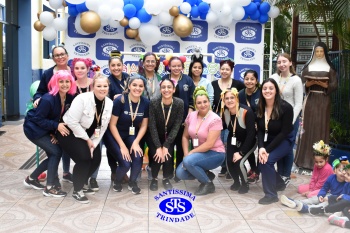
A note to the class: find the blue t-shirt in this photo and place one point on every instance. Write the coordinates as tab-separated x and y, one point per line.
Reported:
122	111
331	185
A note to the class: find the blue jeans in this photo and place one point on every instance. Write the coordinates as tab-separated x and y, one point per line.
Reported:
270	178
123	165
53	153
194	165
284	166
223	136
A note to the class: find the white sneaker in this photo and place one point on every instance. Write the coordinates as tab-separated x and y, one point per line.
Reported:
288	202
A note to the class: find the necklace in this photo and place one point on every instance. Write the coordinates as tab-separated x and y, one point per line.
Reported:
151	83
87	86
282	83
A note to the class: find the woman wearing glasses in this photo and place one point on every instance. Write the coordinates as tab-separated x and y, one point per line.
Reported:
148	67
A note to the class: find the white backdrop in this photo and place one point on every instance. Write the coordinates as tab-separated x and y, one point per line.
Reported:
242	41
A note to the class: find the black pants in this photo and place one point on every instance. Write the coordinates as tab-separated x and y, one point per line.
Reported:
168	165
79	152
178	144
336	206
253	163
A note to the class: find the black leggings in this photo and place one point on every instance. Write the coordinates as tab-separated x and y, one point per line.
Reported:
336	206
79	152
178	143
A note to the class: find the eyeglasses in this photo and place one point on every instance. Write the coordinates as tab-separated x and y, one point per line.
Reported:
59	55
150	62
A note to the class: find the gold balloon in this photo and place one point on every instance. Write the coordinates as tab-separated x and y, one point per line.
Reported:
132	33
182	26
38	26
138	37
64	3
38	15
124	22
90	22
174	11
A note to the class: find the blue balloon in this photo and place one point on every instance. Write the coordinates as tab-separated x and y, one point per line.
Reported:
257	1
257	4
194	12
129	10
255	16
72	10
264	8
263	18
198	2
82	7
137	3
203	15
192	2
69	4
203	7
126	2
251	8
245	16
143	16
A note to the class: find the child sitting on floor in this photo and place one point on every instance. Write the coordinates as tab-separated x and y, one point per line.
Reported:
333	186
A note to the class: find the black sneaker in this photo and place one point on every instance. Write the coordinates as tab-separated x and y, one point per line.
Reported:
167	185
268	200
87	190
117	187
68	178
210	175
286	180
134	188
154	185
223	171
243	189
316	210
228	176
177	179
94	185
35	184
54	192
80	197
235	186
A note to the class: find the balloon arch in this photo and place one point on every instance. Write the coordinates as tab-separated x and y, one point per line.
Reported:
142	18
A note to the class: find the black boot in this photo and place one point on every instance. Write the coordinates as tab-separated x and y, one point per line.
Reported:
236	185
154	185
205	189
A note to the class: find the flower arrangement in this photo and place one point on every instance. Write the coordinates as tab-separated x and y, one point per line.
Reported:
320	148
95	68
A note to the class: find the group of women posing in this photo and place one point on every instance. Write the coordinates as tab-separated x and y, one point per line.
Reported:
179	110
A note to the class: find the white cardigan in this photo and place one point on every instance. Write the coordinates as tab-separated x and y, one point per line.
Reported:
292	93
81	114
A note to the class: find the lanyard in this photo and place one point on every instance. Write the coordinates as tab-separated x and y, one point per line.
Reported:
133	115
87	87
266	122
169	112
197	128
152	83
234	126
98	117
284	84
246	96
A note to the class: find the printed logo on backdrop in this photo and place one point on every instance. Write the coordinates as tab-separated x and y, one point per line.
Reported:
199	32
221	51
164	46
109	31
249	33
137	48
105	69
105	46
175	205
72	32
247	54
81	49
239	70
132	67
166	31
221	32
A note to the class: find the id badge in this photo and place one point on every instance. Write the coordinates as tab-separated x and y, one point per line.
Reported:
97	132
233	141
195	142
265	137
132	130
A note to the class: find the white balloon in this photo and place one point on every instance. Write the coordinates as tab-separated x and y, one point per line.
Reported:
225	20
115	3
134	23
149	34
60	24
104	12
49	33
153	7
226	10
165	18
216	5
117	14
167	4
78	27
55	4
154	20
211	17
273	12
185	8
176	2
244	2
238	13
113	23
46	18
75	1
92	5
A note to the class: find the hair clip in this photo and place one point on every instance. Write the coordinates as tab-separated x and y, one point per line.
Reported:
115	53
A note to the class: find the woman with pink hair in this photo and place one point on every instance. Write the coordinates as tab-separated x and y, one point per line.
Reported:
40	125
81	69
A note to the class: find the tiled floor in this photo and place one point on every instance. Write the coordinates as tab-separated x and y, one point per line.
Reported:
27	210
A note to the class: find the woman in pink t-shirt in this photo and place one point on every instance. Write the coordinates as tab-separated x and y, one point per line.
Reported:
203	127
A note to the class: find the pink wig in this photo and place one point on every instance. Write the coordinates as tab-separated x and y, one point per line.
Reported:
61	75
